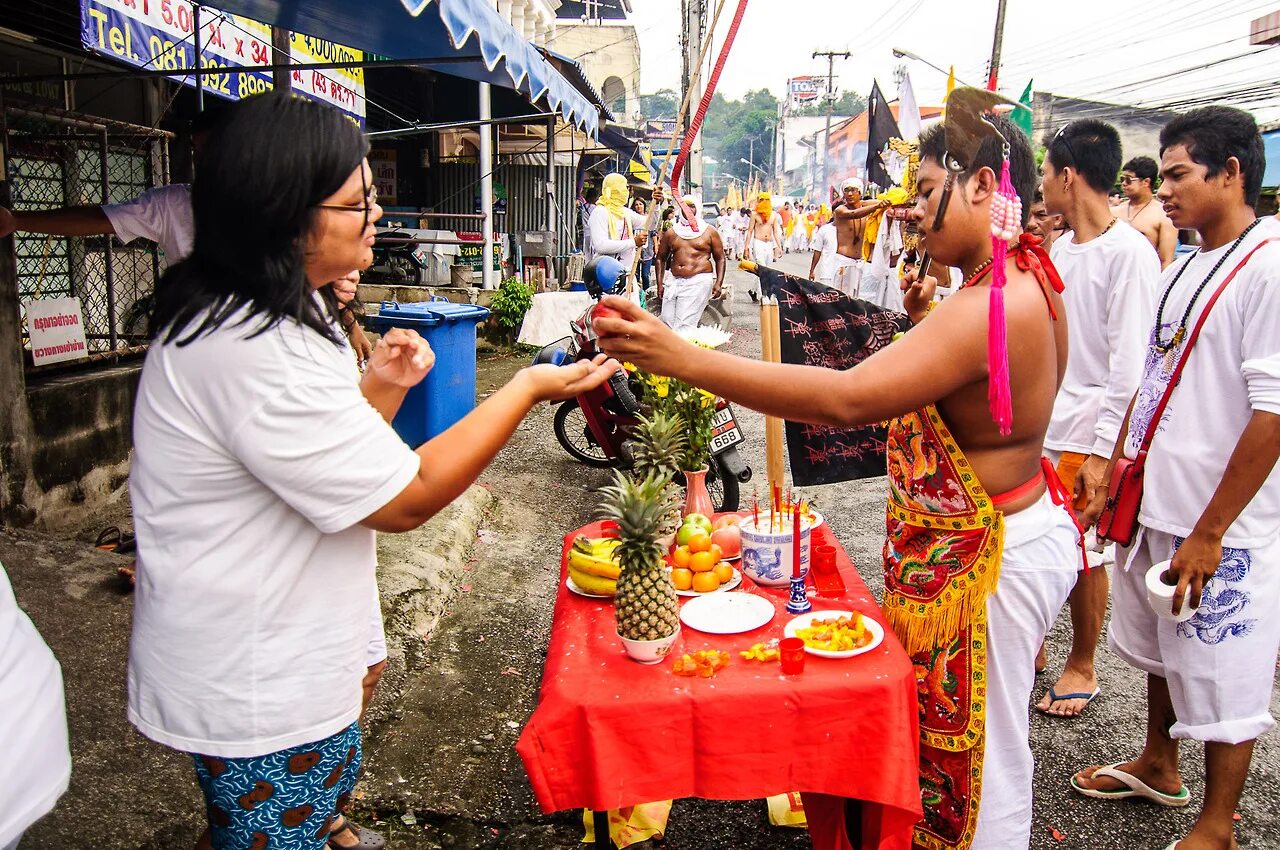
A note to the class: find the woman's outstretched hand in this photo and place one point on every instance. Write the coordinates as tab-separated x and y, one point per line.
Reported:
552	383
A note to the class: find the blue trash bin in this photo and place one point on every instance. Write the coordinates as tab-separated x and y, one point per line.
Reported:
448	393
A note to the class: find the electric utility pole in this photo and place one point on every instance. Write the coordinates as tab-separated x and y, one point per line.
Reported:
831	57
995	48
692	14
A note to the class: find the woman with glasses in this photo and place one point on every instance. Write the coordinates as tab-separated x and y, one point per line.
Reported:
263	466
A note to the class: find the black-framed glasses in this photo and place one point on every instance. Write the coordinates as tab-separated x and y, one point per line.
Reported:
1062	135
370	201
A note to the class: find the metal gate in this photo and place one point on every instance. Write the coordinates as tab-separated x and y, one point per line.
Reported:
58	159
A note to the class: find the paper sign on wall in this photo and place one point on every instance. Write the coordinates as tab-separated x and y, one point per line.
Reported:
56	327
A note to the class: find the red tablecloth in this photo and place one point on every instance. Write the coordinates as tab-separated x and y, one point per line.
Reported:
609	732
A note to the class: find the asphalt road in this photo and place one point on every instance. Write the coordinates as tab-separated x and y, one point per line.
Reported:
446	754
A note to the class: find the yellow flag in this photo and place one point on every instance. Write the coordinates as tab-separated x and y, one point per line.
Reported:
951	84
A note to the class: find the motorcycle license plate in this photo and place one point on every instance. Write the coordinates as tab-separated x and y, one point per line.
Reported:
724	430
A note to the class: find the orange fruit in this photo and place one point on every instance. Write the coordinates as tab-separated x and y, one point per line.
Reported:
682	578
703	582
700	542
680	557
716	551
722	571
701	562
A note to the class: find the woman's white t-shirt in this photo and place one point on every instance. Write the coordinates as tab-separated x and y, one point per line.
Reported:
36	766
255	459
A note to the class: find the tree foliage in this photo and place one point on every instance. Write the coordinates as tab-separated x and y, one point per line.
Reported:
733	130
849	103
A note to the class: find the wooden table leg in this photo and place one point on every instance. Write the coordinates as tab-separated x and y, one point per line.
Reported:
604	841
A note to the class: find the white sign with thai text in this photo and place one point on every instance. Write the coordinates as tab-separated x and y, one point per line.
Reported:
56	327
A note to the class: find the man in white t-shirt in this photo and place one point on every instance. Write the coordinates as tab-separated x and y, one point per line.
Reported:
1110	273
36	766
162	214
822	267
1211	496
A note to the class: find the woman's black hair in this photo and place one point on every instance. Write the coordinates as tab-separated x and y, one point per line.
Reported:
268	164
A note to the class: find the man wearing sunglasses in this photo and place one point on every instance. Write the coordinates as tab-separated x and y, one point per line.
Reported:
1110	273
1139	209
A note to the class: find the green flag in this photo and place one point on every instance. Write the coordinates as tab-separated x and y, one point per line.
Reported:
1022	115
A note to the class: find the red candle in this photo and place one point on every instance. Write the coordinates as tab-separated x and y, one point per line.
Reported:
795	561
755	511
776	508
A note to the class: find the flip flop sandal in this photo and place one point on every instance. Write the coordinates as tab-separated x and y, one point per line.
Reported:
1135	787
112	539
108	539
368	839
1054	696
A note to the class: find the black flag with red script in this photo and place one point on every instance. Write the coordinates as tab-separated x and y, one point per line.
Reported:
821	326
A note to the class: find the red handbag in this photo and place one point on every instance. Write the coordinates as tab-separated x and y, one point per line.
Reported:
1118	521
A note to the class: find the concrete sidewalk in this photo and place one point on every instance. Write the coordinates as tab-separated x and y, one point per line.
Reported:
127	792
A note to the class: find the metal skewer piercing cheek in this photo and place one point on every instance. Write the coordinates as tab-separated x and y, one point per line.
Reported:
947	186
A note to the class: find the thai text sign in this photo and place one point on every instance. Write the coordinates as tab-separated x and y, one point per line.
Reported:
56	328
160	34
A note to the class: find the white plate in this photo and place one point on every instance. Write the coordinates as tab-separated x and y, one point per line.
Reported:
573	588
877	633
728	585
726	613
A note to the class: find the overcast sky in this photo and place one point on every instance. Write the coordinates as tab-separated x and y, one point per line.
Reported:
1122	51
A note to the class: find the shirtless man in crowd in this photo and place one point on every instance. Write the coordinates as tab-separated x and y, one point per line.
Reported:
938	373
849	217
696	259
764	234
1138	179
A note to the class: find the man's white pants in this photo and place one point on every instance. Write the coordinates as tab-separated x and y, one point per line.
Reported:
848	272
762	252
1037	572
684	299
1221	663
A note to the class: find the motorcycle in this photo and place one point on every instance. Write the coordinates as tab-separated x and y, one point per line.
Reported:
595	427
399	258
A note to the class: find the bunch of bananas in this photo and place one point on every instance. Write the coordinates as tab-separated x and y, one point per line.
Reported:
591	564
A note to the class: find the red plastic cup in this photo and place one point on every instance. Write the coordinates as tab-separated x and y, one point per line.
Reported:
824	559
791	654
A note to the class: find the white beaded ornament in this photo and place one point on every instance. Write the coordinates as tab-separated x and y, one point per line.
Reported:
1006	216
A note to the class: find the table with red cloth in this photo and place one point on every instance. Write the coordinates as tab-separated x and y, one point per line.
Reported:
609	732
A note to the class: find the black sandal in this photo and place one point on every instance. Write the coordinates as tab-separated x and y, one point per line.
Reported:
368	839
112	539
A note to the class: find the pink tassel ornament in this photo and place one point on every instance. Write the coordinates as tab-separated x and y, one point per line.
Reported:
1006	222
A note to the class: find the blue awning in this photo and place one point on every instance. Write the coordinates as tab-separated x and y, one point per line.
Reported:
469	37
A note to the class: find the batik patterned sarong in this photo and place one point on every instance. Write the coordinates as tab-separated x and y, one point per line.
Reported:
941	560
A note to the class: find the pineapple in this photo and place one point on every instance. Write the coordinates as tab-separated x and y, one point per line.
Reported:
659	444
646	606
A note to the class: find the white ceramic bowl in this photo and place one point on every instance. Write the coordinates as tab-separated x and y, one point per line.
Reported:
1160	595
650	651
767	555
